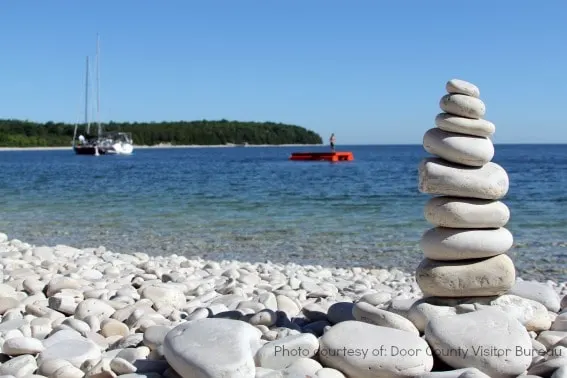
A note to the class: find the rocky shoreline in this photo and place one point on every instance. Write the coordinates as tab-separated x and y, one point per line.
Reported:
72	313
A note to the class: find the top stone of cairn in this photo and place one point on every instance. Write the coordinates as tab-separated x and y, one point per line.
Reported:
457	86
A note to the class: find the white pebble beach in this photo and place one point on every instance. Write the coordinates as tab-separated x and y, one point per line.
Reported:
72	313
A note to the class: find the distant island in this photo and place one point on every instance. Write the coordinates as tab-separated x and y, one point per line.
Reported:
18	133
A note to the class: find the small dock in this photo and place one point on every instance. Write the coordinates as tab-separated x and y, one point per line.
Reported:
322	156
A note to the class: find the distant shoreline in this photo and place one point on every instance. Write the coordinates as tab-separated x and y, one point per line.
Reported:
163	146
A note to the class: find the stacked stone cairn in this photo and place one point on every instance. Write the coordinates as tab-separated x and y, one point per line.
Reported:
465	253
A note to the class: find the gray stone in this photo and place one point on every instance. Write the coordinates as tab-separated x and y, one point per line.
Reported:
441	243
466	278
439	177
463	105
458	212
462	87
486	339
212	348
370	359
473	151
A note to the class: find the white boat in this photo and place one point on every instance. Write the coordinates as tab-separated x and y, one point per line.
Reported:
104	143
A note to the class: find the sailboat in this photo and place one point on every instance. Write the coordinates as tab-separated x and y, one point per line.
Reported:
103	143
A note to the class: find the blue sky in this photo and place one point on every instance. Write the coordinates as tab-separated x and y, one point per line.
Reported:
371	71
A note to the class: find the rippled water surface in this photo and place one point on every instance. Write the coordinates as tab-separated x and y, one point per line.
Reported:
254	204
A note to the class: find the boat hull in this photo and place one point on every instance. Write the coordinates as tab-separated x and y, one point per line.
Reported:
89	150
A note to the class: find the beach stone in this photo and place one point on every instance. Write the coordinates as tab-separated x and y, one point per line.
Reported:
164	295
473	151
488	340
537	291
548	368
8	303
19	367
458	212
279	354
426	309
302	367
93	307
368	358
551	338
459	373
531	314
441	243
22	345
466	278
328	373
155	335
67	371
563	302
121	366
73	350
365	312
462	105
462	87
560	372
213	348
439	177
112	327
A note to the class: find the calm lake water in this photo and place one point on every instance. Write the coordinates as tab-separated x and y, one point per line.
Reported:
253	204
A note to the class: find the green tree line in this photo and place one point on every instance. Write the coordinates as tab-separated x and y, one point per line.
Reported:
17	133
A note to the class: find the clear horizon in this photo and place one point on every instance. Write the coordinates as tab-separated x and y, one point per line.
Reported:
371	73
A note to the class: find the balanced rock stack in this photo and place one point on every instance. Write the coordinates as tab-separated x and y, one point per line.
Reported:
465	253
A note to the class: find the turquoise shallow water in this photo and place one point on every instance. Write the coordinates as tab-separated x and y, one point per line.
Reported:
253	204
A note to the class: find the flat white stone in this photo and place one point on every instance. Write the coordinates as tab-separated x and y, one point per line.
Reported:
468	126
74	351
474	151
537	291
458	212
212	348
463	106
328	373
19	367
162	294
365	312
374	351
466	278
442	243
488	340
531	314
22	345
459	373
279	354
439	177
462	87
95	307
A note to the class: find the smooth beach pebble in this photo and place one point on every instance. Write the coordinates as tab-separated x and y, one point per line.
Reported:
468	150
498	336
438	177
196	345
462	125
539	292
459	86
462	106
365	312
459	212
466	278
279	354
441	243
22	345
398	353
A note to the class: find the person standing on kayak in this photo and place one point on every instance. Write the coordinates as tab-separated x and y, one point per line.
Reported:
332	142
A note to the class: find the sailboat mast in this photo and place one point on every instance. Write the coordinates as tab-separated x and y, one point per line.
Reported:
98	84
87	97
